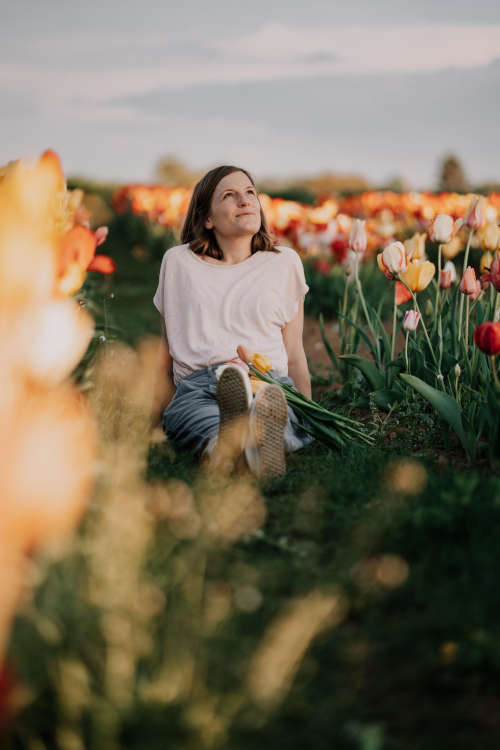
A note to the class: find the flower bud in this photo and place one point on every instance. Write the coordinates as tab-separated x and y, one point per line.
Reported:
415	246
487	337
410	320
469	284
448	275
458	371
393	260
442	228
494	275
474	217
357	239
453	247
490	236
485	263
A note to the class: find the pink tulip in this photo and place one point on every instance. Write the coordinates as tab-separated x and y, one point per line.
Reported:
448	275
357	239
474	218
101	234
442	229
469	284
393	260
410	320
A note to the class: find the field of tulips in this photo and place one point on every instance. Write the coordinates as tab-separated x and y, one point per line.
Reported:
351	603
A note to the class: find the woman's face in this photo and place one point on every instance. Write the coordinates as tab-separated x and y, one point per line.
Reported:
235	208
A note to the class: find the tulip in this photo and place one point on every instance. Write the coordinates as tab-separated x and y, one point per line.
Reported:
485	262
393	260
474	217
448	275
418	275
442	228
493	276
401	293
102	264
452	248
101	234
410	320
50	340
490	236
261	362
487	338
469	284
415	246
357	239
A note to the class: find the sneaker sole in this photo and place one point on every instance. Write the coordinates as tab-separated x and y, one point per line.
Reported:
270	416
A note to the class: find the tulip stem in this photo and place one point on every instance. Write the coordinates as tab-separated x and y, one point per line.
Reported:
394	314
467	314
365	310
406	352
344	309
461	309
424	328
495	374
436	307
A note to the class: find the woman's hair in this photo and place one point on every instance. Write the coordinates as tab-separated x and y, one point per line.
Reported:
201	240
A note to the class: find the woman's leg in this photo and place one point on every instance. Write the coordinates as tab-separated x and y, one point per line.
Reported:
192	418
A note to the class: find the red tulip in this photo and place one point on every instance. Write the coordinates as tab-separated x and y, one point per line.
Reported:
487	337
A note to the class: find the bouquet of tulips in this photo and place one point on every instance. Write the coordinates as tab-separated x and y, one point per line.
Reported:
326	426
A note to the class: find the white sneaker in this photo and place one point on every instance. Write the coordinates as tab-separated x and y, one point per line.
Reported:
234	396
265	448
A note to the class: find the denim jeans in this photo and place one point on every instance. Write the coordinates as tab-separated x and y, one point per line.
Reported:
192	417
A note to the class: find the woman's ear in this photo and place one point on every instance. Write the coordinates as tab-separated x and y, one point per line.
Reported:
208	224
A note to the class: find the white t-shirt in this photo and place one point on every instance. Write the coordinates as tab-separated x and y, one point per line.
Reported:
209	309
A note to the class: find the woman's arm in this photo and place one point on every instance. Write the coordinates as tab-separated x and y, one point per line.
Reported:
297	362
165	388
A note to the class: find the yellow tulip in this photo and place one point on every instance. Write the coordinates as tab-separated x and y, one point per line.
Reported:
490	236
452	248
415	246
486	261
261	362
418	275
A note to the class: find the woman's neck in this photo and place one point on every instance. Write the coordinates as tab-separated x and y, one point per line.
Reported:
235	249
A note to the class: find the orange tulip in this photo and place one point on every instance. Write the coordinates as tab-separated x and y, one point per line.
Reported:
102	264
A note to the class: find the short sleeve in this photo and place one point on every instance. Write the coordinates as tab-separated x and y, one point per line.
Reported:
159	296
296	287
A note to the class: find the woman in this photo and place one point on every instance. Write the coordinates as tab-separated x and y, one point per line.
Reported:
227	291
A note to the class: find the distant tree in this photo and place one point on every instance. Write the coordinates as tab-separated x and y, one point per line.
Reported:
452	177
172	172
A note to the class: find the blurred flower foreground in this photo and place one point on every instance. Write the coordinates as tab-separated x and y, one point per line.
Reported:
109	590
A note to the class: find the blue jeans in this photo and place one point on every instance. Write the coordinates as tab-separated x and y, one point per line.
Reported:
192	417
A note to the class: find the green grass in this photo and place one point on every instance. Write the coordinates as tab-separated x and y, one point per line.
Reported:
382	678
378	674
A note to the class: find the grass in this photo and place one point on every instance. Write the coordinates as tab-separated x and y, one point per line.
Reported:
404	531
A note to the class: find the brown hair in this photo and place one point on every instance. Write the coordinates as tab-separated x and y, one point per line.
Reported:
202	241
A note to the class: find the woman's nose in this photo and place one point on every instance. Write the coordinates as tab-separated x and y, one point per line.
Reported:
243	199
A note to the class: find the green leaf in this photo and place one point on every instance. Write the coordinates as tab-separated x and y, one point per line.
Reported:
328	347
363	335
386	398
446	406
369	370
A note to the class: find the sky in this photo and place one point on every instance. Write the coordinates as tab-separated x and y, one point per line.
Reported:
377	88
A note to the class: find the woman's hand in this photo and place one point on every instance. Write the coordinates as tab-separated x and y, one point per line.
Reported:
245	353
